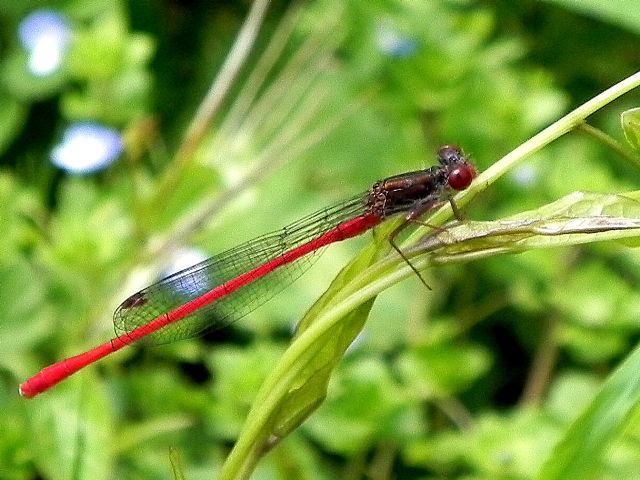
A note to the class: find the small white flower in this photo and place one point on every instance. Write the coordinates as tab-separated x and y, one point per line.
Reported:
45	34
86	148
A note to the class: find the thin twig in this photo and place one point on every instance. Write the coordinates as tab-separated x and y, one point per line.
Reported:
610	143
247	94
291	84
542	367
220	87
267	162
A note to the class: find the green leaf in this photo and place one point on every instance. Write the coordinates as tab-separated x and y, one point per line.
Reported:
298	383
335	290
236	392
623	12
369	405
502	446
61	420
176	464
578	455
631	127
23	85
12	119
443	369
310	388
24	318
570	394
575	219
592	345
135	435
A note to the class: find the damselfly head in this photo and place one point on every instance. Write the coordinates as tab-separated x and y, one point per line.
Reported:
460	171
450	155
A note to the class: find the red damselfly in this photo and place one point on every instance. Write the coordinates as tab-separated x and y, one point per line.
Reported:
218	291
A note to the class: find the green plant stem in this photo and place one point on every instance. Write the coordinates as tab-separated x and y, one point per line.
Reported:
610	143
554	131
255	433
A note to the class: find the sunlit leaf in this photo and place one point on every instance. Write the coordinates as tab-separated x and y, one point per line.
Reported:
310	387
71	417
575	219
578	455
631	127
176	465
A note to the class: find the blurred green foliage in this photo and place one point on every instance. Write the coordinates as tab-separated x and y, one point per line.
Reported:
477	379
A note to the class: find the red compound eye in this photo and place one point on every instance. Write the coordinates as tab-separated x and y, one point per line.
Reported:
461	177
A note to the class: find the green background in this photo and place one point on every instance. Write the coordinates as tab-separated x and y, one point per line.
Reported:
477	378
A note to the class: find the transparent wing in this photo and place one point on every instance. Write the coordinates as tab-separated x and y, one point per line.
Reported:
178	289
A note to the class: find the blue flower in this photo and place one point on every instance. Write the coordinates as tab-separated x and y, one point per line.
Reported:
392	43
87	147
45	34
